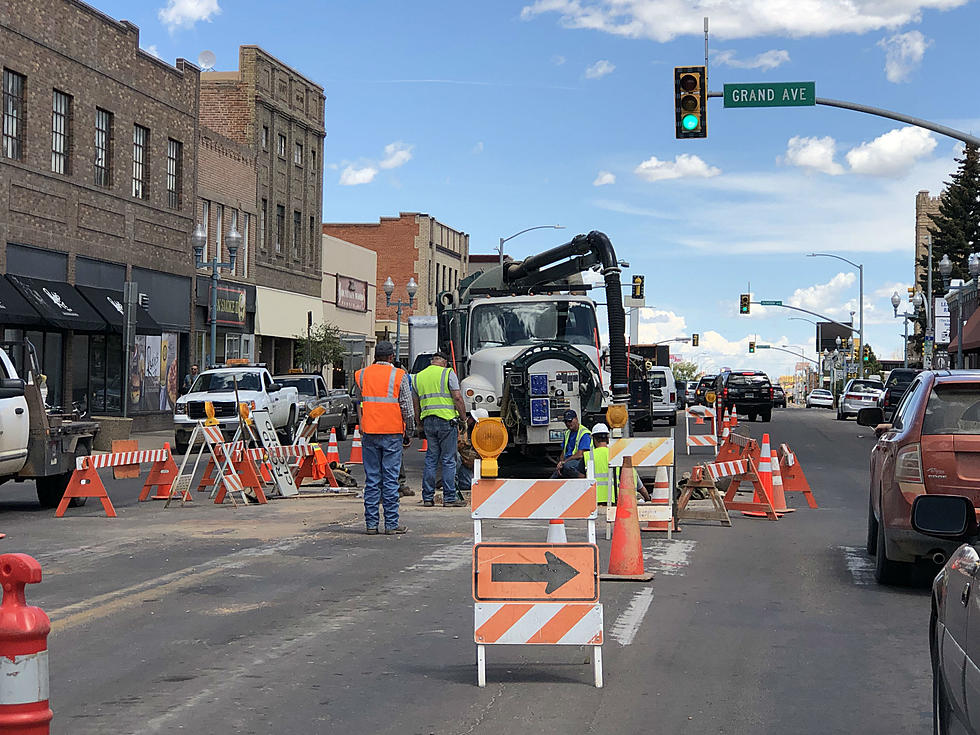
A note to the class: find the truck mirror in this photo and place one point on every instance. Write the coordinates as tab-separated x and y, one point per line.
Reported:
11	388
275	387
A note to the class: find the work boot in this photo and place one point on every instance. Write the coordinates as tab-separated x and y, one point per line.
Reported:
456	504
372	532
428	503
405	491
395	530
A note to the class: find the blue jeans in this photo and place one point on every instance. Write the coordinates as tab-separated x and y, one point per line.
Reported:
570	470
382	454
464	477
441	437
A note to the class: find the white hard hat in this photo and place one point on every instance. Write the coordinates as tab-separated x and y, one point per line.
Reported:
479	413
600	429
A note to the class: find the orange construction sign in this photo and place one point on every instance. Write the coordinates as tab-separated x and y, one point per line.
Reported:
553	572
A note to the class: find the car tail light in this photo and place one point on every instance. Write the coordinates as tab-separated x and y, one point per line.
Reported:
724	393
908	464
772	393
673	398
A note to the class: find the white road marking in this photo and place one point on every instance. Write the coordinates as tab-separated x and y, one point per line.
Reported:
669	558
859	564
628	623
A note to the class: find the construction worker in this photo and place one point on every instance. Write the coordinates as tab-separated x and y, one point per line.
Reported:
467	455
599	454
576	443
384	411
439	406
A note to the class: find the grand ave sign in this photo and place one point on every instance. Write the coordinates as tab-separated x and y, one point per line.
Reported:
772	94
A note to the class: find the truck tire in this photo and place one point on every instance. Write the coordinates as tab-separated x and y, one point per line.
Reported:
286	432
767	414
342	427
51	489
180	447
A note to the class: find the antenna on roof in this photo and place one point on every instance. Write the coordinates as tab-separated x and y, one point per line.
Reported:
206	60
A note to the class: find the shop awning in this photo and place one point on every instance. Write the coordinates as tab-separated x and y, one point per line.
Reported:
283	313
14	308
109	304
59	304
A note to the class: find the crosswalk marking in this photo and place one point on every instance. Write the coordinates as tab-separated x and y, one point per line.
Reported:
628	623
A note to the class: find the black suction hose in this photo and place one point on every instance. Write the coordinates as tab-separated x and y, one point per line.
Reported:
603	249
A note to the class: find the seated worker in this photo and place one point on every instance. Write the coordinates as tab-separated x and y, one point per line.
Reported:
466	454
576	443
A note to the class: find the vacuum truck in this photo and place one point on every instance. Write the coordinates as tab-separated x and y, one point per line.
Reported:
524	339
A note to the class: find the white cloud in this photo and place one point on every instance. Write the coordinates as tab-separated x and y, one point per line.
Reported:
664	20
903	54
186	13
600	69
396	154
558	60
813	153
152	49
603	178
351	176
478	148
766	60
836	298
893	153
686	165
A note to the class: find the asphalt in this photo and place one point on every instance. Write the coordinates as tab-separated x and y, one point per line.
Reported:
287	619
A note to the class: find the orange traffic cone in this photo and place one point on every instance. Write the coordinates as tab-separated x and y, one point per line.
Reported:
778	496
626	554
425	445
355	448
734	421
660	497
765	482
556	532
333	451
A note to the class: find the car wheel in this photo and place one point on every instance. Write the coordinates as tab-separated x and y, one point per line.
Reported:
342	427
180	447
50	489
767	415
672	421
872	543
286	432
886	571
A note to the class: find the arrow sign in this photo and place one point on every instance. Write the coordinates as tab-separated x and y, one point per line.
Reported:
557	572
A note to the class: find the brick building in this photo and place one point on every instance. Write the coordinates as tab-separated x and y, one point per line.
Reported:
924	206
97	188
411	245
279	113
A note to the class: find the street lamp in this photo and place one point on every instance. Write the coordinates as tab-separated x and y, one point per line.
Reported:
917	303
412	288
233	241
860	297
536	227
946	270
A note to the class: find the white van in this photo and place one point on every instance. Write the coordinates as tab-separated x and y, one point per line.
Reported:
663	394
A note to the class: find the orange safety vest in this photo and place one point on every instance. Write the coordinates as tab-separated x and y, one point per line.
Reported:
380	385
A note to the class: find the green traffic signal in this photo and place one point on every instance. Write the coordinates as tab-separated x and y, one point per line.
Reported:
751	347
744	303
690	122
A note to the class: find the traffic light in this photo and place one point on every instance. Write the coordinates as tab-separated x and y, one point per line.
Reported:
751	347
867	352
744	302
690	102
694	340
637	287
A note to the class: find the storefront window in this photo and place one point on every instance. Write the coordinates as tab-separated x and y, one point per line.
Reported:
97	371
79	370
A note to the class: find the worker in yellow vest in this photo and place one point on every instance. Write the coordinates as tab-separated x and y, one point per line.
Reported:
599	454
576	442
439	406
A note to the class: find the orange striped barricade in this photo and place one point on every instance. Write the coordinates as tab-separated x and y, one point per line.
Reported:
794	481
699	414
220	455
86	483
535	593
277	458
743	470
646	452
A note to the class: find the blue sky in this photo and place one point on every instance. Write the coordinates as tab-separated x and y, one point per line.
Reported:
498	116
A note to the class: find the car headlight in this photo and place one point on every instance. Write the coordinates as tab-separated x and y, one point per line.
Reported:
180	409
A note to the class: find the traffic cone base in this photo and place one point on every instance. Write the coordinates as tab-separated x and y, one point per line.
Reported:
626	552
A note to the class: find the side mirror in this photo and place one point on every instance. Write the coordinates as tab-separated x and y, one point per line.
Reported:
11	388
275	387
945	516
870	416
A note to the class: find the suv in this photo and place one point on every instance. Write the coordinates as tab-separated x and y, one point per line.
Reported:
749	391
898	380
706	382
858	393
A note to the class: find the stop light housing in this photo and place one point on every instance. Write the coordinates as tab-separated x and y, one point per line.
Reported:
638	287
867	353
751	347
744	303
690	102
694	340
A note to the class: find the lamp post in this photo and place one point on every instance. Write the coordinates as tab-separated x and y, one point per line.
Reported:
930	336
860	298
917	302
233	241
536	227
946	270
412	289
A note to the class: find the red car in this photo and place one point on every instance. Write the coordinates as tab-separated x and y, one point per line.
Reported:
932	446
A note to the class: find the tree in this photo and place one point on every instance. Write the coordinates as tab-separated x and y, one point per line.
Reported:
685	370
323	347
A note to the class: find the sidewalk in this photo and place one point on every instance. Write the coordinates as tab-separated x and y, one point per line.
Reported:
154	439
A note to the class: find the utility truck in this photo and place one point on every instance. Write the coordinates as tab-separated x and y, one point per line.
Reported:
524	339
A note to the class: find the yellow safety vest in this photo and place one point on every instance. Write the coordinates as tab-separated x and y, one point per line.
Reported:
432	387
603	477
582	431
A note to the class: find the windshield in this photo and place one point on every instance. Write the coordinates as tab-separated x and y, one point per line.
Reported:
865	386
953	409
303	386
496	325
706	381
225	382
821	392
755	381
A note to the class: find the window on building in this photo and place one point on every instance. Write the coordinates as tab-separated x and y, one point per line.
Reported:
243	253
298	154
103	147
206	221
282	145
263	214
14	114
313	160
265	137
297	233
219	215
141	139
233	225
175	166
314	240
61	132
280	226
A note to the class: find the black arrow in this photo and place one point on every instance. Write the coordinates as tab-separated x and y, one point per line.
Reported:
556	572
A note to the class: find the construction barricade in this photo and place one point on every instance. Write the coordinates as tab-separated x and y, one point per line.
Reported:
535	593
739	471
701	415
86	483
647	452
699	480
794	481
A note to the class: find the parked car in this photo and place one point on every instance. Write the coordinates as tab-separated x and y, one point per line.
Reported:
954	625
338	410
820	398
898	380
778	397
747	391
690	397
931	446
858	393
706	383
681	386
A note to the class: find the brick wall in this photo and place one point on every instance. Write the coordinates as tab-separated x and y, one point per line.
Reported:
225	110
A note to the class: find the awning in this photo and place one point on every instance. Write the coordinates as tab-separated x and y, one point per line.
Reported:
109	304
59	304
283	313
971	334
14	308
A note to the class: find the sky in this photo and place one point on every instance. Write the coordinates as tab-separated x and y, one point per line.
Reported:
498	116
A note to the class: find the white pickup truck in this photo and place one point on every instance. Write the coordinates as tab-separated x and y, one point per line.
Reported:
35	443
255	387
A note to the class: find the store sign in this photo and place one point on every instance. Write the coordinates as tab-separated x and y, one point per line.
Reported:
351	294
231	306
942	330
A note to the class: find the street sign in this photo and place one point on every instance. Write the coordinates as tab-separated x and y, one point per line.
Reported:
762	347
771	303
533	572
771	94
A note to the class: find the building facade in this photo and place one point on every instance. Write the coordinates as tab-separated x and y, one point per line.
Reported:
350	275
279	114
412	245
97	188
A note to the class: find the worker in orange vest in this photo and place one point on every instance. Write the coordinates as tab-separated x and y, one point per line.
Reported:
387	418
